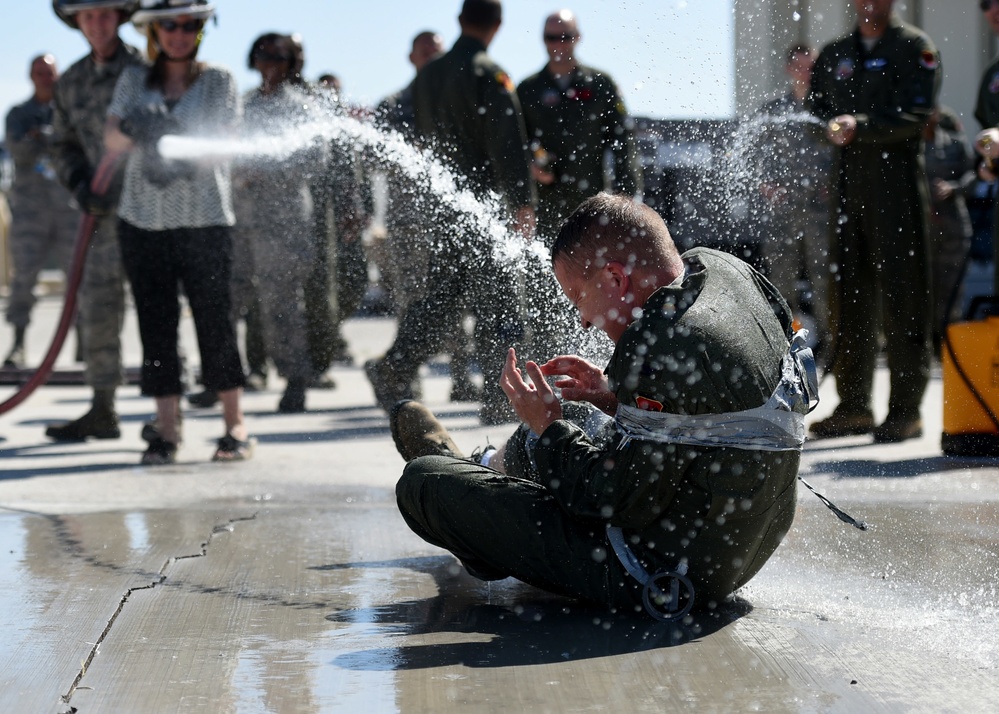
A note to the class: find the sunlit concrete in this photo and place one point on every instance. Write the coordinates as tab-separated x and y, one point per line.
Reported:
291	584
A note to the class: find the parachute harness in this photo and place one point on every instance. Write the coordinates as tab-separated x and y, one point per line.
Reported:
778	425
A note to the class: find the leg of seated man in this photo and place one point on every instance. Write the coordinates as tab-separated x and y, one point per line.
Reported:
500	526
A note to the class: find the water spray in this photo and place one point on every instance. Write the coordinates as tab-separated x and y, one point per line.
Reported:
439	189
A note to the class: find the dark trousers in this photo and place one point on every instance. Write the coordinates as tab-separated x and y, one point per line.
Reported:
502	526
512	526
158	263
459	279
883	280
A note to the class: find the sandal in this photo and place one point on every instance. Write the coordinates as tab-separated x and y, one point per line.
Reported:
232	449
159	452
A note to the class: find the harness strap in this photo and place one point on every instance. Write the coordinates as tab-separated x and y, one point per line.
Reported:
662	596
777	425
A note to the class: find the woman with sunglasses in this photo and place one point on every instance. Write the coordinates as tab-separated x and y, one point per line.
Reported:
175	219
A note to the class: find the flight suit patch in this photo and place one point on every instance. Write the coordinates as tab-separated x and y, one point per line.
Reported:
994	83
928	60
844	70
876	63
551	98
581	95
649	405
504	81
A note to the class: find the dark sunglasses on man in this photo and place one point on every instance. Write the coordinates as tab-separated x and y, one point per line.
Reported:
986	5
569	37
190	27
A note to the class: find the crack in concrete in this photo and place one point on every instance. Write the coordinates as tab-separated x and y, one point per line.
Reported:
227	527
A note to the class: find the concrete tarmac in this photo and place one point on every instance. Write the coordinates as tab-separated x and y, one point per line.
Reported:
290	583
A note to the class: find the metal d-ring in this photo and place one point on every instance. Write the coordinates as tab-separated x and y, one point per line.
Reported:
671	600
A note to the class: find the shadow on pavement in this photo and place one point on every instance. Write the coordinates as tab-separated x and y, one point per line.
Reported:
904	468
526	626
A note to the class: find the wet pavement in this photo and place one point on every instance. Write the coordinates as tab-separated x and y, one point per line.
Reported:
291	584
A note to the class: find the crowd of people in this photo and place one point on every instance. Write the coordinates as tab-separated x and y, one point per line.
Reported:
630	460
285	234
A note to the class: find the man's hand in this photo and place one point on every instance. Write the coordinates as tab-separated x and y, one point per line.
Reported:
987	143
942	190
534	401
773	193
581	381
542	176
525	223
842	130
98	205
148	124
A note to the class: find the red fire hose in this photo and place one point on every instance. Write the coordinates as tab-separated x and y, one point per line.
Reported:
88	225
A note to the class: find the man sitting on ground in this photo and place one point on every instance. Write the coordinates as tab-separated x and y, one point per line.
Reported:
687	490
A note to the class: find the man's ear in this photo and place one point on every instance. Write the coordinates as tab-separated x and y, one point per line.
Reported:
617	275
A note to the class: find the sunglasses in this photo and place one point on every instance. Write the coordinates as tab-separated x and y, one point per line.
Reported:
569	37
190	27
986	5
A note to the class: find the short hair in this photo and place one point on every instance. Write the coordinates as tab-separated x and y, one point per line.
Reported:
423	36
798	49
609	227
481	14
46	57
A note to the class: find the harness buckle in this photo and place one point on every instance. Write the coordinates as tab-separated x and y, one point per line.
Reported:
668	595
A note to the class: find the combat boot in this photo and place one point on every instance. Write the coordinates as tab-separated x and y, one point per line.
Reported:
293	399
894	430
417	432
97	423
389	387
839	424
15	358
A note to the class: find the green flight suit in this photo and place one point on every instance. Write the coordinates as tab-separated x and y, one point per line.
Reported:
987	114
466	108
880	244
575	126
721	510
466	111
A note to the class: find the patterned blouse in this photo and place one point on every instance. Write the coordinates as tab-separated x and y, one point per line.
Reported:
210	107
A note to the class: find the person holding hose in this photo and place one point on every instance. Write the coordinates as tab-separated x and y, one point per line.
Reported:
175	219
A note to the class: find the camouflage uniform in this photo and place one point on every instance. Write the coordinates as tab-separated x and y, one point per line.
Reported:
574	126
44	223
82	96
881	245
467	111
277	222
797	163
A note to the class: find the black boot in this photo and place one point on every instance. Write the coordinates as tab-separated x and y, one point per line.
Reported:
101	422
293	399
15	358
